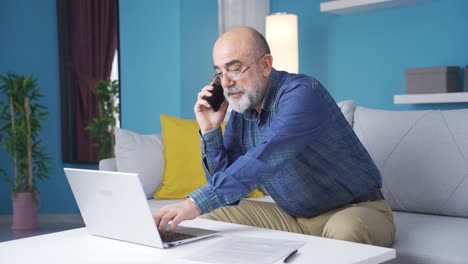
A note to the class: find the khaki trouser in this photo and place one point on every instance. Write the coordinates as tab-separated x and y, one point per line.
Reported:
367	222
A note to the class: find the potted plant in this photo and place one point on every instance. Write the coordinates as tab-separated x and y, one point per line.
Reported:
21	115
102	127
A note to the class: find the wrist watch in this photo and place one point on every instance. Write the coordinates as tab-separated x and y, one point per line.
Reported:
191	199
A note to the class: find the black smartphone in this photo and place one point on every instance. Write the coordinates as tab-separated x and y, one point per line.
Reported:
217	97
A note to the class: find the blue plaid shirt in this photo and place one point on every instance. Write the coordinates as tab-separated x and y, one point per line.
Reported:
299	147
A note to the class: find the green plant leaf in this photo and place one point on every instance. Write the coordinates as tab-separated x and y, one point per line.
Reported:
101	128
14	134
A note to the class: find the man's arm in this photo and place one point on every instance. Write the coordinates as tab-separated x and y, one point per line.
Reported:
219	152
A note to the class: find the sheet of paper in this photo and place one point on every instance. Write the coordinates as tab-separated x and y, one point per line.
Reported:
245	250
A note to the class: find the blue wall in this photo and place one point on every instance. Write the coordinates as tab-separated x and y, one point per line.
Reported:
166	59
199	31
150	60
363	56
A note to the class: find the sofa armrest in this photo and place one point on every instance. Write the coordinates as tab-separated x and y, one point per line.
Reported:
108	165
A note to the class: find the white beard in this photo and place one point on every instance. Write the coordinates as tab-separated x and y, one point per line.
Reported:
249	100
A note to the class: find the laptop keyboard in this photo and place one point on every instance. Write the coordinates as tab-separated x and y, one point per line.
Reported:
168	237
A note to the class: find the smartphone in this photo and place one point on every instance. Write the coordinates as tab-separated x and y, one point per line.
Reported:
217	97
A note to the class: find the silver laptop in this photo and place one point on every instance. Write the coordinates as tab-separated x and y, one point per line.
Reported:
114	205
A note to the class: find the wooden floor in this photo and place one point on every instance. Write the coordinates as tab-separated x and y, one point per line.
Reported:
46	225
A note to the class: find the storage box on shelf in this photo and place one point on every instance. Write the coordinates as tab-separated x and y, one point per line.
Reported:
432	80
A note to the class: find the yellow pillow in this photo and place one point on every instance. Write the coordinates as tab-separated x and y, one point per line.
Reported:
183	171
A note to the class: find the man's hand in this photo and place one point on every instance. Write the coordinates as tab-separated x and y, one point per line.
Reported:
207	119
185	210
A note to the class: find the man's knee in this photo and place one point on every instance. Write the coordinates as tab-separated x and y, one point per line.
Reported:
361	224
345	227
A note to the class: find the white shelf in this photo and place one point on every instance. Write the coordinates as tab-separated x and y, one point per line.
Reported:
353	6
435	98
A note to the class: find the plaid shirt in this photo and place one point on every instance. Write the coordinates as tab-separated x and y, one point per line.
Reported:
300	148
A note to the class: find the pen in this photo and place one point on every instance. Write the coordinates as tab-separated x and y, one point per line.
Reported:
289	257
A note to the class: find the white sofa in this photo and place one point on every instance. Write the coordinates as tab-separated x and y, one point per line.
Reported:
423	157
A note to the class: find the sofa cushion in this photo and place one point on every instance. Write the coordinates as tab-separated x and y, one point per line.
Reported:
430	239
142	154
347	109
422	155
183	171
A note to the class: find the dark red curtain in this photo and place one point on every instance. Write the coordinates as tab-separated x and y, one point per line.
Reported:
93	41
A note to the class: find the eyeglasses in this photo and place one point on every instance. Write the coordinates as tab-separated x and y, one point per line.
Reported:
235	75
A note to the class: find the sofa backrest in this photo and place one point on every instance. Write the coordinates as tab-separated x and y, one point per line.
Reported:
422	155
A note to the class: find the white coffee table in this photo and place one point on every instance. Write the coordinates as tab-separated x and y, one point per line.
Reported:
76	246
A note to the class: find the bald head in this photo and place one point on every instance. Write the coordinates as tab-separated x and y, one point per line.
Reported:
235	52
244	41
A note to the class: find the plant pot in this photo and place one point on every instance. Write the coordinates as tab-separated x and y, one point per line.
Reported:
24	212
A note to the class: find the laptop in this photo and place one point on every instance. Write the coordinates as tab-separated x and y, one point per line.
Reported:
114	205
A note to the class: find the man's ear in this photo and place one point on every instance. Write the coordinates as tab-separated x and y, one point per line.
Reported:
266	64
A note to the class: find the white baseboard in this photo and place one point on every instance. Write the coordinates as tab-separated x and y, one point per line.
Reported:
50	219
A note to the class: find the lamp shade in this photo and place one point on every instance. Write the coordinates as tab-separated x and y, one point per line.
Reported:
281	35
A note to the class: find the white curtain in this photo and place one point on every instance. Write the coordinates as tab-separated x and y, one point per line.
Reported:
252	13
